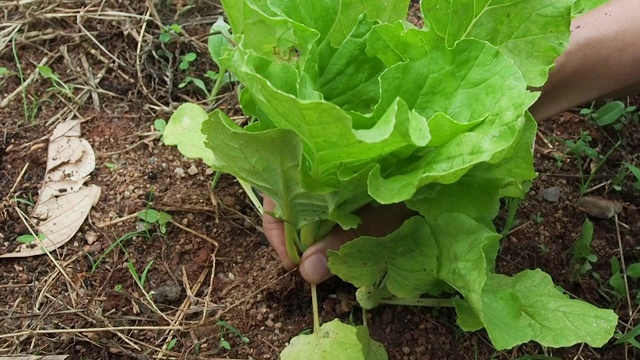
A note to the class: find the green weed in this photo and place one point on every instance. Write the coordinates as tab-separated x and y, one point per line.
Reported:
226	328
111	166
29	112
581	254
582	148
168	32
28	238
57	84
614	113
142	278
511	221
151	217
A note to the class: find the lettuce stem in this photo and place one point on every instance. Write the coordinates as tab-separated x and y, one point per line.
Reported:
316	312
291	239
308	235
419	302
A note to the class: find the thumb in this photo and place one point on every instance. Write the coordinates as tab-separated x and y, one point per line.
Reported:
376	221
313	264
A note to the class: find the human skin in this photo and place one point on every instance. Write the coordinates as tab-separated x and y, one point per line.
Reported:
601	60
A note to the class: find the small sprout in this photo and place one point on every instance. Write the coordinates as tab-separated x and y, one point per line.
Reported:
140	279
151	216
58	84
111	166
118	288
636	173
4	71
168	31
186	61
160	125
28	238
197	82
581	254
224	328
172	344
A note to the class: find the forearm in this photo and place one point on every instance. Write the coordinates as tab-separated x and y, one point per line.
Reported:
602	59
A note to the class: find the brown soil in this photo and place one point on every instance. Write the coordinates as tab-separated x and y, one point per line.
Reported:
213	264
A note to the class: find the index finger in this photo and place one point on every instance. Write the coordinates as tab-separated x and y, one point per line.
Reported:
274	232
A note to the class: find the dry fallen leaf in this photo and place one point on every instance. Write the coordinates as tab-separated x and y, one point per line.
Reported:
63	202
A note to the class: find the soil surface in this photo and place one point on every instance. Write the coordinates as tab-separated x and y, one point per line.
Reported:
219	290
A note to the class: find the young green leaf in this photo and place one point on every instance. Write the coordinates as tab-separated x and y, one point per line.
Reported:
528	307
220	40
407	260
149	215
609	113
335	340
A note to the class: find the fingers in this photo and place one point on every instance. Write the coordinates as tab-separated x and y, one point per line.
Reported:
376	221
313	265
274	232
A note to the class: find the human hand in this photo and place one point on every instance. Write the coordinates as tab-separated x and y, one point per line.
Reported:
376	221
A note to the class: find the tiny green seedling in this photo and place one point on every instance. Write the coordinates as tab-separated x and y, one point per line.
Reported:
117	288
58	84
154	217
511	221
226	328
195	81
614	113
629	337
581	148
581	254
636	173
538	218
4	71
28	238
617	280
28	200
142	278
111	166
172	344
167	32
160	125
186	61
118	242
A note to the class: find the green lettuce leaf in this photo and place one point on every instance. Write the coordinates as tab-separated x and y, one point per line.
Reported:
528	307
531	33
406	260
335	340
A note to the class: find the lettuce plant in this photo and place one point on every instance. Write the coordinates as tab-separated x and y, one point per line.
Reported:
351	105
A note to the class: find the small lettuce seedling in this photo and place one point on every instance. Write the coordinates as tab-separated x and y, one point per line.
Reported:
350	105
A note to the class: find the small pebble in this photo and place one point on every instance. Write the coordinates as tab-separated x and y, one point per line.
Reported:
406	350
91	237
269	323
232	277
192	170
229	201
599	208
551	194
179	171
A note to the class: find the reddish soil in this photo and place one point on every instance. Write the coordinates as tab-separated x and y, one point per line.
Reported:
213	264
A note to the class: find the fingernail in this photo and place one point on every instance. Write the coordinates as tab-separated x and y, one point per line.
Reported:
315	269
